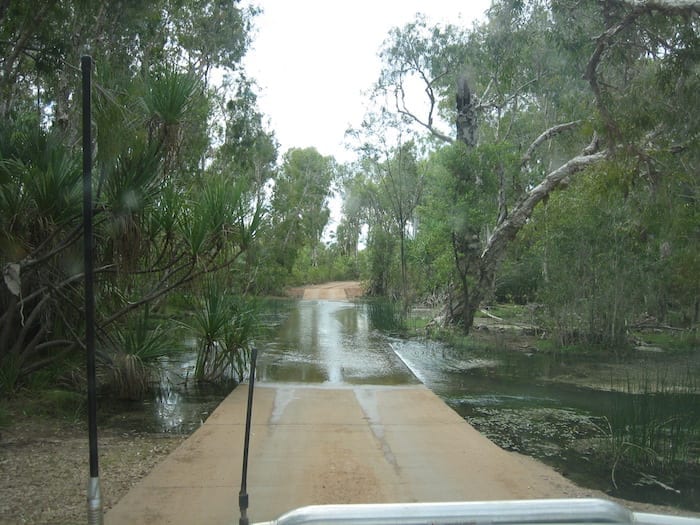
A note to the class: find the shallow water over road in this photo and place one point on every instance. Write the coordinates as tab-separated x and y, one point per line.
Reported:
516	399
330	342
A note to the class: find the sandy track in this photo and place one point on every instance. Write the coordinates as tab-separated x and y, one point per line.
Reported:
332	291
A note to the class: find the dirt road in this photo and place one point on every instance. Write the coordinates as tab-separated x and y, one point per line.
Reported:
333	291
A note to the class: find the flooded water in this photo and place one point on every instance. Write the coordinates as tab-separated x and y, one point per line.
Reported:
516	399
333	343
179	406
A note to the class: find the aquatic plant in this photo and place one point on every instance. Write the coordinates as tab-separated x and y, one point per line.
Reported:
654	427
224	324
386	315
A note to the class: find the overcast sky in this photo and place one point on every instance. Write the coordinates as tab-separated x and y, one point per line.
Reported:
314	58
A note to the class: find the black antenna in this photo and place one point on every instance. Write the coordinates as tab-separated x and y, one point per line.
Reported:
243	494
94	498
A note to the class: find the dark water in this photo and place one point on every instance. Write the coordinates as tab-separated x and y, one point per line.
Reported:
512	397
179	406
517	400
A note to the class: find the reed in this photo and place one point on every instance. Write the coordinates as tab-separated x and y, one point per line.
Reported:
386	315
654	425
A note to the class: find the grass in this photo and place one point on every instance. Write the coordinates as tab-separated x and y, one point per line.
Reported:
386	315
53	403
654	427
551	346
679	341
5	416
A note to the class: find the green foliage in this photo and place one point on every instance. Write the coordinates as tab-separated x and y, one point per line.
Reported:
386	315
383	280
518	279
543	78
168	208
330	265
458	211
52	403
10	374
680	341
299	210
610	255
5	418
224	324
134	353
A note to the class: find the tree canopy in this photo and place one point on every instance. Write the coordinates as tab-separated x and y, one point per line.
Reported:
175	199
455	194
539	97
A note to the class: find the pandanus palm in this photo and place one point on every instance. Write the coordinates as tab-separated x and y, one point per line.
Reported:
224	324
158	226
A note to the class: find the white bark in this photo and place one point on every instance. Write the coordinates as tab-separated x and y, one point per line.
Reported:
506	231
546	135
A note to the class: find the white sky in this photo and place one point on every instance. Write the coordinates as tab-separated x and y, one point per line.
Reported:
313	59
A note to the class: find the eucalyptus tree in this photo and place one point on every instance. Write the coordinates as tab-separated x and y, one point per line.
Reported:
247	152
353	217
556	86
395	191
299	206
39	43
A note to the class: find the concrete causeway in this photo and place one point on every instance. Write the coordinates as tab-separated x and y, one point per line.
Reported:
313	444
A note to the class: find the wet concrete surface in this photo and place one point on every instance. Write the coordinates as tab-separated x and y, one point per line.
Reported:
315	444
331	343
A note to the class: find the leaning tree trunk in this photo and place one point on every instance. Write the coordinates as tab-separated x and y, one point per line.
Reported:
505	232
477	265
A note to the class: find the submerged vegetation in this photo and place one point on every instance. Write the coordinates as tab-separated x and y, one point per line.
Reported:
224	326
655	429
637	437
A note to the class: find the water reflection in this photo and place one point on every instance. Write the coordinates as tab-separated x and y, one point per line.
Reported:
333	343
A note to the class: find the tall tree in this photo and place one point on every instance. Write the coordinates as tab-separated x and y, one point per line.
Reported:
299	207
163	217
526	68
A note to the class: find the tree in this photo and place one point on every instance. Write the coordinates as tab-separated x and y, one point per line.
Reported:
395	191
525	67
162	219
299	207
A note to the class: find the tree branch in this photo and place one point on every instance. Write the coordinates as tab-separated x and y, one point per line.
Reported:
668	7
605	40
546	135
508	229
403	110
